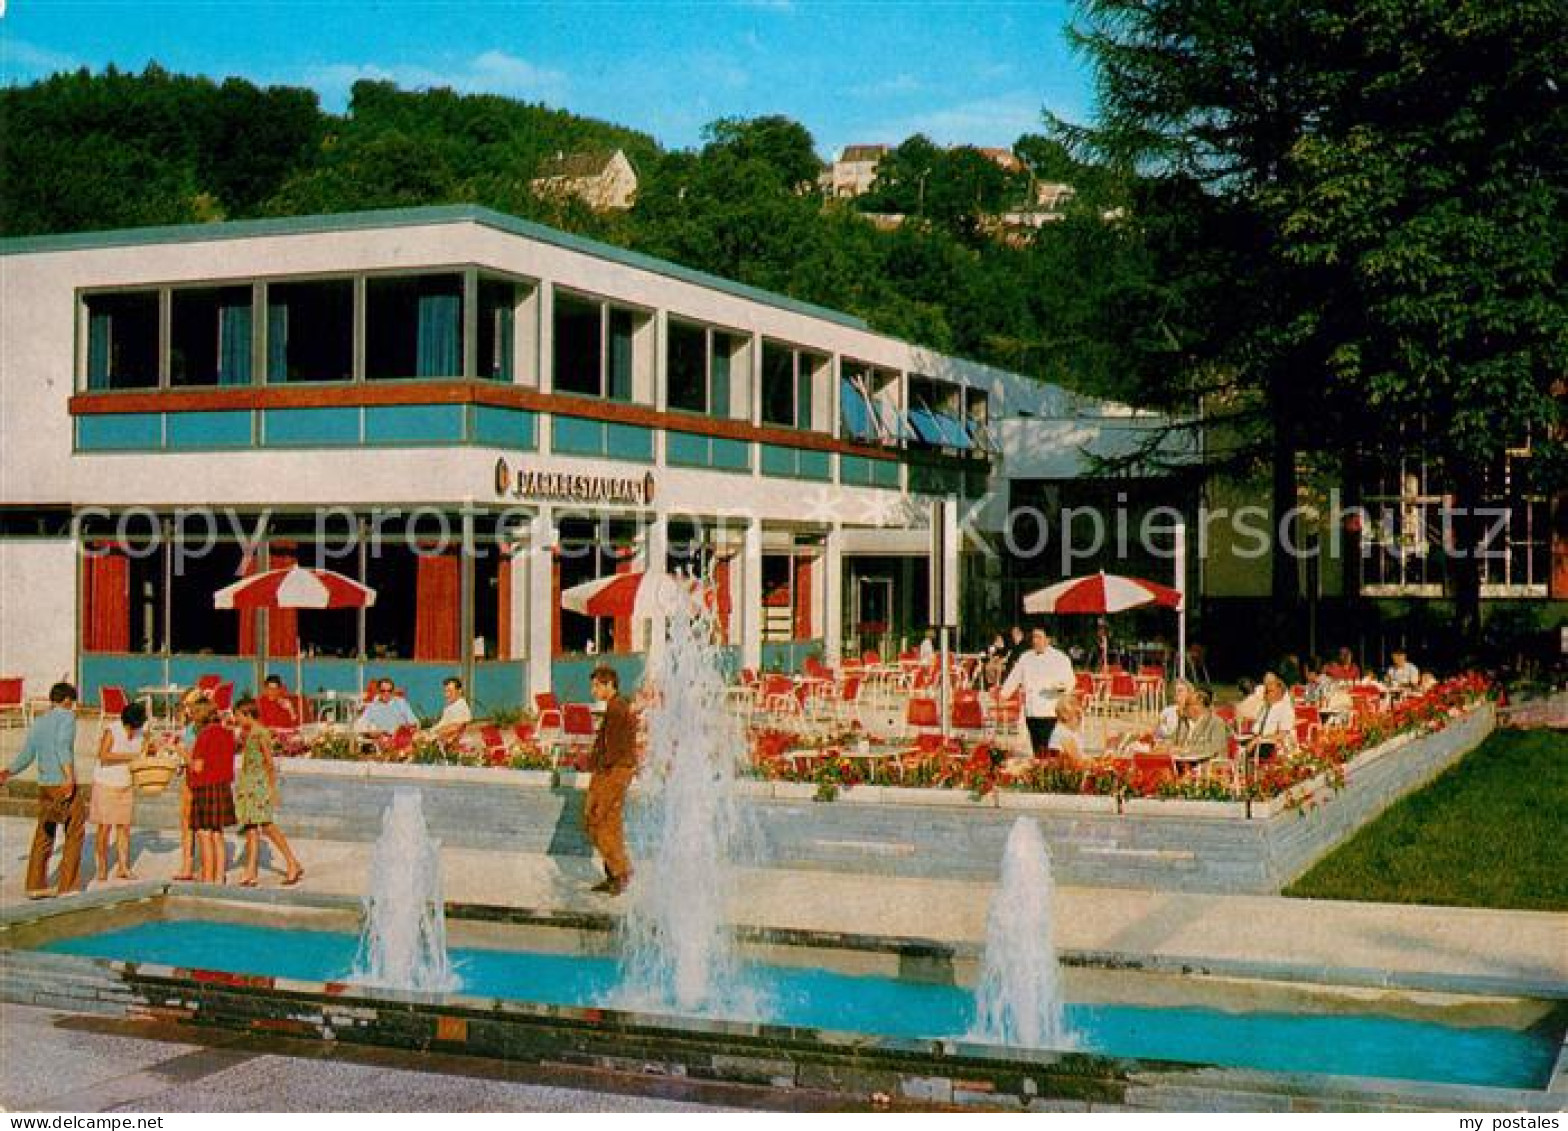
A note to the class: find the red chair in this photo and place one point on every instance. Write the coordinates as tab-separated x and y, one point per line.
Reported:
1123	691
111	701
1151	671
921	715
578	729
525	733
1083	682
494	742
548	707
870	658
12	704
208	683
1227	712
968	714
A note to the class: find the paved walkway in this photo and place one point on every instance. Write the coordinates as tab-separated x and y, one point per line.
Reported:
1446	944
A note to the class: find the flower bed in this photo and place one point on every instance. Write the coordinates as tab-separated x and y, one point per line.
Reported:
982	768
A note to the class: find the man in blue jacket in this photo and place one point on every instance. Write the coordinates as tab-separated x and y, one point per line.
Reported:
51	742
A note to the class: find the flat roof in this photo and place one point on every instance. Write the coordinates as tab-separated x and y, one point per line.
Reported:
415	217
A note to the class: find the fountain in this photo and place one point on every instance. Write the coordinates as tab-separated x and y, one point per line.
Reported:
1019	999
403	942
678	949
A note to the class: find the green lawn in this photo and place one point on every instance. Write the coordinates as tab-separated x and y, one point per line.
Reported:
1490	832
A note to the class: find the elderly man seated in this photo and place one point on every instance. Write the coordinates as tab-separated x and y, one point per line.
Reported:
1274	731
385	713
1206	737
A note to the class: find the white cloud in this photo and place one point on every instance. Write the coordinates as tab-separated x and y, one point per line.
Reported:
22	60
889	87
490	72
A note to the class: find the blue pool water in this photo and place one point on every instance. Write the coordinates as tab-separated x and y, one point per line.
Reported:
1338	1044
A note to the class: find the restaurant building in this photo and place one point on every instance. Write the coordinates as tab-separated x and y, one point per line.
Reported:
472	414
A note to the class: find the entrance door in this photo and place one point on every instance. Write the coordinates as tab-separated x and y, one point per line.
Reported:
872	614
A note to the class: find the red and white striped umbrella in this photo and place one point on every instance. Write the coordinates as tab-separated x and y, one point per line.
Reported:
617	596
297	587
1100	593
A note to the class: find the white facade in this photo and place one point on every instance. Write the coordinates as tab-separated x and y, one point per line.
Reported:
822	506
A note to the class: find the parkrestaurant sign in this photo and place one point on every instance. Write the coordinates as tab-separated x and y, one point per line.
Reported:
525	483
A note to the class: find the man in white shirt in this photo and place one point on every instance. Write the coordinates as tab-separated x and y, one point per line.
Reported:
1275	730
455	715
1045	674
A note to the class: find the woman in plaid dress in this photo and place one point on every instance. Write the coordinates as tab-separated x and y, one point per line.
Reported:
211	780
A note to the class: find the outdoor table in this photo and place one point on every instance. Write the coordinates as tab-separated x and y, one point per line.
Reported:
167	694
334	706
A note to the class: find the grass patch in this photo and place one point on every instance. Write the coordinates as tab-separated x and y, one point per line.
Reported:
1489	832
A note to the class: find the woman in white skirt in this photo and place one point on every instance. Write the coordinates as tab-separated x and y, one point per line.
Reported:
114	799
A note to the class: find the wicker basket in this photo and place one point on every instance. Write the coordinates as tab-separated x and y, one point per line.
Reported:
152	773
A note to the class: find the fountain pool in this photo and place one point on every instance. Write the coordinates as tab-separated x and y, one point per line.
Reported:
892	991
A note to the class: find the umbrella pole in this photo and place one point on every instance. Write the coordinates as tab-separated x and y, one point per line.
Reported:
1181	608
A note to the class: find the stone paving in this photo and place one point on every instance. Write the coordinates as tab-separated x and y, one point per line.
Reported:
1438	946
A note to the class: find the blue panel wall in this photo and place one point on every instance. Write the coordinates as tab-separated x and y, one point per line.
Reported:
310	426
499	683
124	671
796	463
626	441
569	678
685	449
506	427
813	465
209	429
414	424
731	455
572	435
777	460
121	432
790	657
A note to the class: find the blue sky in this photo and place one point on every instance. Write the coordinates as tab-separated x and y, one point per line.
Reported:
960	72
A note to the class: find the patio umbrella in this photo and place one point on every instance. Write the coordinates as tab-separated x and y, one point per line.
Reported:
621	595
297	587
1100	593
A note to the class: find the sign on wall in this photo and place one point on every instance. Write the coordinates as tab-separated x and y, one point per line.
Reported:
531	483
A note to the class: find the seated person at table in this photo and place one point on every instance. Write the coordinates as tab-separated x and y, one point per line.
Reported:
1344	668
455	715
277	708
1402	674
1250	705
385	713
1172	724
1274	732
1207	736
1066	739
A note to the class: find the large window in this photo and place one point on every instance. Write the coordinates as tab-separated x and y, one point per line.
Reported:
210	336
122	341
414	327
1408	531
595	347
788	385
589	550
495	355
936	414
869	404
698	370
310	331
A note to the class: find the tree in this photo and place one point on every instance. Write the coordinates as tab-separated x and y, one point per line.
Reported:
1436	181
783	145
1353	217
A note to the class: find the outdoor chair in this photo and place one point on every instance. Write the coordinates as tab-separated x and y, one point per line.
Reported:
577	729
111	701
12	704
968	714
1122	694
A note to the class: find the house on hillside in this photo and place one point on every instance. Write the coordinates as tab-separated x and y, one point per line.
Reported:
604	180
1004	159
854	171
